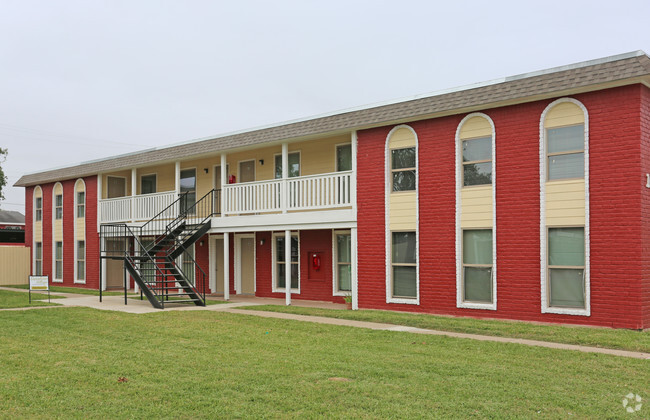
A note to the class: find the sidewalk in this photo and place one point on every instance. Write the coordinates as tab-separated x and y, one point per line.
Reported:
136	306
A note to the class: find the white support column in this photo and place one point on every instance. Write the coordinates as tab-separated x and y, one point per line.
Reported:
353	267
136	288
353	181
285	175
134	185
226	266
103	263
224	175
177	185
287	266
99	197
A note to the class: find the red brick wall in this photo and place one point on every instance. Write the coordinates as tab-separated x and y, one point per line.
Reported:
47	230
29	224
314	285
645	203
615	218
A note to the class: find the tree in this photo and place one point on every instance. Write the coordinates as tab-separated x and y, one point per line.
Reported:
3	177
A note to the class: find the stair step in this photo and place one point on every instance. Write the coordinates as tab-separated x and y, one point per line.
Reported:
182	301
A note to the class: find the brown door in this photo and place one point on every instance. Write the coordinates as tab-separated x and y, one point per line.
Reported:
116	187
247	270
219	266
247	171
114	274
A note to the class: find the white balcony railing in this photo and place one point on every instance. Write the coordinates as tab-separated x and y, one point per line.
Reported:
311	192
139	207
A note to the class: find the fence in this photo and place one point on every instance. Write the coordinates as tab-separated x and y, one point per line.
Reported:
14	265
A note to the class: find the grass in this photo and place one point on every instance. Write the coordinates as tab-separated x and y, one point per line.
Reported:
10	299
77	290
80	362
596	337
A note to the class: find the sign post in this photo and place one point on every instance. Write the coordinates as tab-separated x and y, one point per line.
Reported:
39	283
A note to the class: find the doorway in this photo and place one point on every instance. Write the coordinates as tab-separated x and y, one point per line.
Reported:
245	264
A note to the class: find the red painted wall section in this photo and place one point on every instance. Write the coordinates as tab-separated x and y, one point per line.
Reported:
314	284
615	222
202	258
92	236
47	230
29	224
645	203
69	221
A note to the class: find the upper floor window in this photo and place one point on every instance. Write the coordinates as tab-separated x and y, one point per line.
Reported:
402	164
477	161
188	189
148	184
81	204
344	157
58	206
38	212
565	152
294	165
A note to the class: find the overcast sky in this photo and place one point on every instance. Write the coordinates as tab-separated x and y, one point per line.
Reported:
82	80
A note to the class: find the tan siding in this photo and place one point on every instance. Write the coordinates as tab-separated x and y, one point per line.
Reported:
476	207
38	231
565	203
318	157
475	127
565	113
402	213
14	265
164	177
262	172
402	137
203	180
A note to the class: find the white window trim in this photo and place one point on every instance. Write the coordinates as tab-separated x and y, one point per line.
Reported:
54	219
543	228
143	175
34	221
54	240
275	289
77	239
460	302
335	276
336	148
389	237
54	278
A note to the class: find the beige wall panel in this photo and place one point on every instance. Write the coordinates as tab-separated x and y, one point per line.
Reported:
475	127
164	177
80	227
38	231
58	230
403	211
565	203
318	157
80	186
402	137
262	172
123	174
14	265
476	207
565	113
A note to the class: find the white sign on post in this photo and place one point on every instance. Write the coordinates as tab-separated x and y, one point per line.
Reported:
38	283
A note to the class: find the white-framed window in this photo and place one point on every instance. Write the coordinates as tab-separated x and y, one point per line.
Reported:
404	265
403	169
342	266
477	161
38	209
58	206
81	261
566	286
58	261
294	165
565	157
343	157
280	263
188	190
38	259
81	204
477	274
148	184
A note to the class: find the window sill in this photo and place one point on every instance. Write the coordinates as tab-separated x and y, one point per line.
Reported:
348	293
476	305
567	311
57	280
80	282
407	301
293	291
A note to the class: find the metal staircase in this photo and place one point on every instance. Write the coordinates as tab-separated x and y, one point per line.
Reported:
151	252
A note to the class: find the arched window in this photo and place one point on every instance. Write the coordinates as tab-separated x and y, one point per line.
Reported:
80	232
564	208
476	264
57	232
37	234
402	269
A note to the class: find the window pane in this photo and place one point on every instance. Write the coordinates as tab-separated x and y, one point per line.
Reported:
59	213
148	184
566	246
278	166
404	248
565	139
404	282
344	277
280	275
294	165
566	166
478	284
188	180
59	200
477	246
81	272
279	248
404	181
344	158
59	251
294	276
477	174
81	250
39	250
59	270
403	158
39	203
343	244
477	149
567	288
294	249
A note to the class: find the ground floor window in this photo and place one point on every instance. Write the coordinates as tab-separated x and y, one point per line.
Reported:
477	266
281	262
38	259
343	262
58	261
404	265
566	267
81	260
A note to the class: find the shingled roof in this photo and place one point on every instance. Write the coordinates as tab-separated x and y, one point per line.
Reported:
11	217
596	74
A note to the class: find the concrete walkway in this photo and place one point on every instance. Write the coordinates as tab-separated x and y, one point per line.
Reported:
136	306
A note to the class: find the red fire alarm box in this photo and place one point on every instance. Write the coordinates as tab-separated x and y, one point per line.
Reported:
232	179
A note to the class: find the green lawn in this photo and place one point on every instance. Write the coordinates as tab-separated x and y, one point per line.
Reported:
68	362
597	337
21	300
77	290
